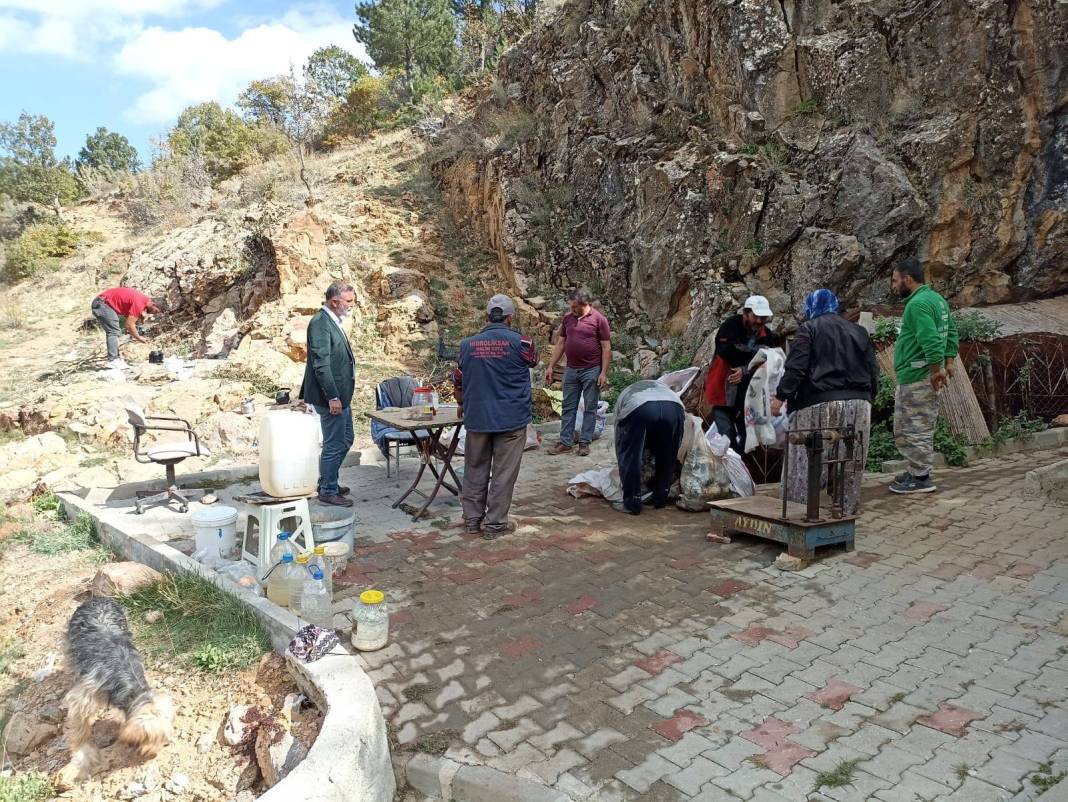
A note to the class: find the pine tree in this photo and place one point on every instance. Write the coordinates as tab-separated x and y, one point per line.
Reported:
415	36
108	150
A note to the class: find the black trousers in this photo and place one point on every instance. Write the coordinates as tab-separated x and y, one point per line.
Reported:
657	425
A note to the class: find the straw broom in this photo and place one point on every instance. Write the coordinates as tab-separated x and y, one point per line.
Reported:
957	404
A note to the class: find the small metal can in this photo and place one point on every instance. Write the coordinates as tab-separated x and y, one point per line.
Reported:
248	407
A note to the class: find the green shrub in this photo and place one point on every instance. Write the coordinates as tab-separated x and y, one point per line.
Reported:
884	331
881	447
31	787
1021	427
973	326
951	446
619	379
884	399
39	247
804	107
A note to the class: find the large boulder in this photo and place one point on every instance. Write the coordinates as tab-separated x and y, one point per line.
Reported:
124	578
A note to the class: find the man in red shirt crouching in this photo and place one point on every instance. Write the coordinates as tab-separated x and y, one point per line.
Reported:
124	302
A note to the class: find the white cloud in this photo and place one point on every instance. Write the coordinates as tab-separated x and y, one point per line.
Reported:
194	65
74	29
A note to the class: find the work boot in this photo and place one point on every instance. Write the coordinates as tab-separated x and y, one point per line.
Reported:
473	527
584	449
494	531
913	484
335	501
619	506
559	449
343	491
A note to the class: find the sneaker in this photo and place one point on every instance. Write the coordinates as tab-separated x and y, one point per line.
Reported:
473	527
494	531
559	449
912	484
584	449
619	506
118	363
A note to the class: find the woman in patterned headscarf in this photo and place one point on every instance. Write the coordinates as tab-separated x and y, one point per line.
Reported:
830	379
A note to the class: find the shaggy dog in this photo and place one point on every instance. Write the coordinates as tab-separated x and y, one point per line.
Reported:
110	674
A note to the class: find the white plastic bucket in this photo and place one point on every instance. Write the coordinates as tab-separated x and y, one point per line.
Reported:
216	528
336	528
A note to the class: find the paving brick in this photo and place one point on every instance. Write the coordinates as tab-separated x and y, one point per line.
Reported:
834	694
699	772
678	725
549	771
642	776
597	741
666	704
950	719
559	734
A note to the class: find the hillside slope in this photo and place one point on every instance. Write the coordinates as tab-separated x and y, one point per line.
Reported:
242	272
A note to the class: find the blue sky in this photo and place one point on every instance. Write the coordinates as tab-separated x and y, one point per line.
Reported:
133	65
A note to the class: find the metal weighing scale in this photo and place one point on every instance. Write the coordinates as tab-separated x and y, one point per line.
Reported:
800	527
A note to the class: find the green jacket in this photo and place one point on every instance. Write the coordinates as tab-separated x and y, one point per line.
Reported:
928	336
331	368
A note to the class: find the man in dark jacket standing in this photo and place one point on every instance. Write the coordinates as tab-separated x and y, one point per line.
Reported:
492	380
738	340
329	382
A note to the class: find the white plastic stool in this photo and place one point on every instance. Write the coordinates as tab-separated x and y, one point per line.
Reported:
263	524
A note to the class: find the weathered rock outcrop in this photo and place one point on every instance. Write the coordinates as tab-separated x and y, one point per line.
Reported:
676	155
219	274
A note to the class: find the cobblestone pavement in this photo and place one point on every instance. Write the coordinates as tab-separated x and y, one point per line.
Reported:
613	657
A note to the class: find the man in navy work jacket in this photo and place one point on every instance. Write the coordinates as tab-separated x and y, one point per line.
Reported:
492	381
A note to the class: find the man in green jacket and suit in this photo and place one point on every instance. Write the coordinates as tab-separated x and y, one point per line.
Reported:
923	362
329	382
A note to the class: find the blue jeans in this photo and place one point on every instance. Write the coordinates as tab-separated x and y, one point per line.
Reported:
337	440
579	383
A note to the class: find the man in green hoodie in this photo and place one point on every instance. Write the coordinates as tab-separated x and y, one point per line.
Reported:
923	359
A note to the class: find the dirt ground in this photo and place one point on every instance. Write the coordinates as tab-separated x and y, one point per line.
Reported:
37	596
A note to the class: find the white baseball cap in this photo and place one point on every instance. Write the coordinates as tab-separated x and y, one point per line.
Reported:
758	305
502	303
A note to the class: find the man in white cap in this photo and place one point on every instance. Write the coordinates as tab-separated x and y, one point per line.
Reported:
492	380
737	342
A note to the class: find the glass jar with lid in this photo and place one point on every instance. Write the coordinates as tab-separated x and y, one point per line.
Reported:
370	621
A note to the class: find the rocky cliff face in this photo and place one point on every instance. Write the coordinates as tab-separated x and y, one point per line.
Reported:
676	155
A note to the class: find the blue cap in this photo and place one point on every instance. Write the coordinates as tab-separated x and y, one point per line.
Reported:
283	535
287	557
316	572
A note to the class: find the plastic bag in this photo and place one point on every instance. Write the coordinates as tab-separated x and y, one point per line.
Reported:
243	574
461	432
602	418
704	477
680	380
597	482
741	482
767	368
533	438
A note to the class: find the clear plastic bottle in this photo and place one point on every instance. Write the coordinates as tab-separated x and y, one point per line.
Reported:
281	546
320	559
370	618
315	601
281	580
303	563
